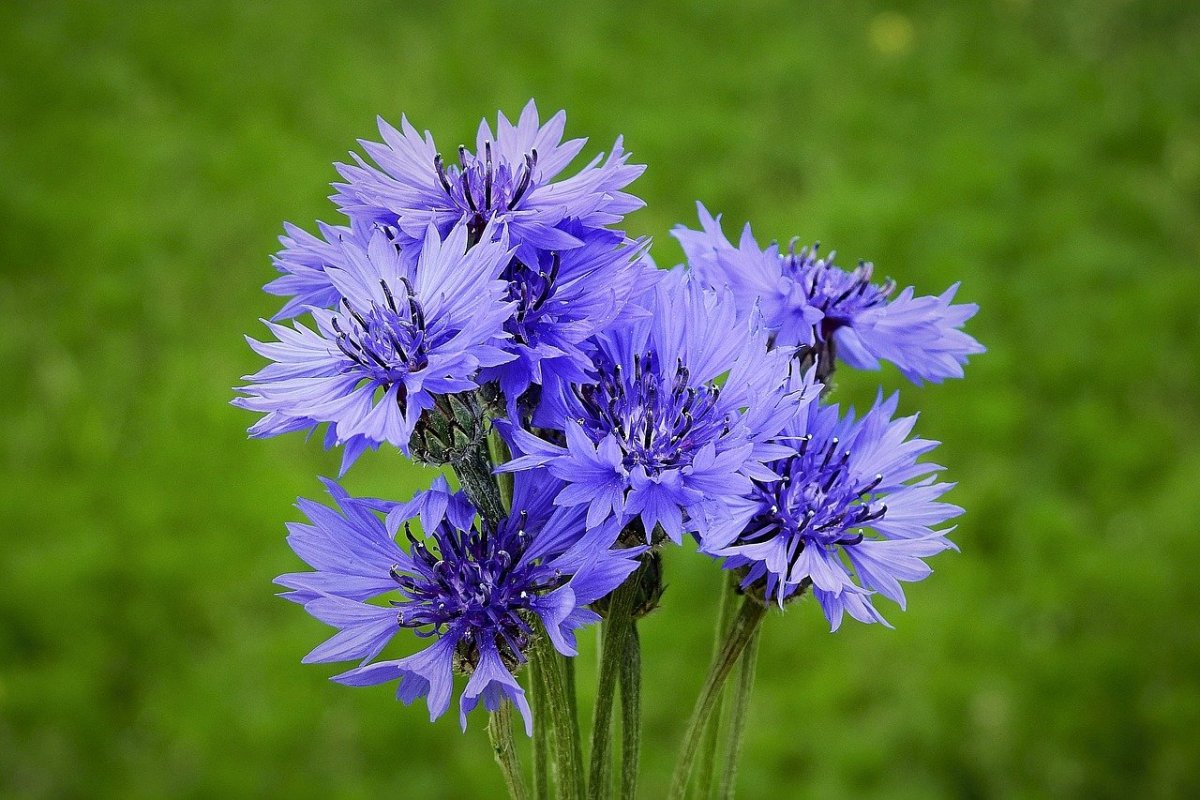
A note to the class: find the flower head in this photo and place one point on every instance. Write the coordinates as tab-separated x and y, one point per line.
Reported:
403	331
304	259
808	300
509	179
853	514
560	301
474	590
676	419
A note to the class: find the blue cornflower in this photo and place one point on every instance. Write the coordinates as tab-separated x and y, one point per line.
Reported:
853	514
677	419
557	302
562	300
509	179
402	332
304	259
808	300
475	591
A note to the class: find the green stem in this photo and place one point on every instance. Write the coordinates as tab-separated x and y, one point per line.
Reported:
742	689
712	733
568	666
500	454
612	654
541	746
500	731
631	713
474	471
740	633
564	733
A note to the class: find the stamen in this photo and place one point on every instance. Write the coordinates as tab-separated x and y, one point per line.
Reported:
530	163
874	515
487	175
833	443
357	317
465	179
418	315
440	166
387	293
342	345
866	489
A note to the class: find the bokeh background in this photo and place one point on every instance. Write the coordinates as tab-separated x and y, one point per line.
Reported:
1045	154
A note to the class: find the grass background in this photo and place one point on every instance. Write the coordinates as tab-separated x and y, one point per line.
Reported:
1047	155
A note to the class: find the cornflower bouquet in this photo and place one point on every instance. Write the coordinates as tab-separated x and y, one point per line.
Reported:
482	311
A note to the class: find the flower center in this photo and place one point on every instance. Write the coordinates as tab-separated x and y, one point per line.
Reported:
657	417
816	501
473	582
838	294
385	342
479	186
530	289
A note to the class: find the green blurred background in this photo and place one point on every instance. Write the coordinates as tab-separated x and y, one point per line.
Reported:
1047	155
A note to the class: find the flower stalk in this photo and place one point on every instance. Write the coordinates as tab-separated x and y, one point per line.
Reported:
631	713
563	732
568	669
500	731
474	471
541	745
712	733
743	629
743	688
613	656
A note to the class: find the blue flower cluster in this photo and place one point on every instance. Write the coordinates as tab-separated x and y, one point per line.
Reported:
640	407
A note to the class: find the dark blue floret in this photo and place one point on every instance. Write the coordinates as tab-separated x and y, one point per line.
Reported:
853	513
479	594
402	332
675	419
809	301
510	180
658	418
480	188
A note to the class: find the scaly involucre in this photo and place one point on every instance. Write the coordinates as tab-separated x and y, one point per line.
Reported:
479	594
853	514
808	300
402	332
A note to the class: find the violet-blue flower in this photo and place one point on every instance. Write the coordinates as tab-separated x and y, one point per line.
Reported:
508	179
560	301
677	420
304	258
403	331
853	514
474	590
808	300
